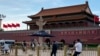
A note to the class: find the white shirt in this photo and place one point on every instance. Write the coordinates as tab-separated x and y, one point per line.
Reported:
6	47
78	47
33	45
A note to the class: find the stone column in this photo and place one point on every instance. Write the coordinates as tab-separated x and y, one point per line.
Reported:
65	50
98	50
40	23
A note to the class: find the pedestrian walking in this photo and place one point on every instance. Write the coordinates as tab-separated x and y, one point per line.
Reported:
24	45
32	45
54	48
77	47
6	48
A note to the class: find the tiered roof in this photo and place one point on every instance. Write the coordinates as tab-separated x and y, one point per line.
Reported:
62	11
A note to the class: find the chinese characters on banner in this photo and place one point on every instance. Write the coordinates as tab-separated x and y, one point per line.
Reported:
79	32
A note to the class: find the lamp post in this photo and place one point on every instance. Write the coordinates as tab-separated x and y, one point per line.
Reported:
1	17
40	23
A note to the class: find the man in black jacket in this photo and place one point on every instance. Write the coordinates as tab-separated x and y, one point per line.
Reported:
54	48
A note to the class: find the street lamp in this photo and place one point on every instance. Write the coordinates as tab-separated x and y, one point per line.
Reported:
1	17
40	23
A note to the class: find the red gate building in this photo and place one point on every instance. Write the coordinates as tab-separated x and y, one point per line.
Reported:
68	23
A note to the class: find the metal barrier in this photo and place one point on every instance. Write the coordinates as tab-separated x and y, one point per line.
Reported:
17	51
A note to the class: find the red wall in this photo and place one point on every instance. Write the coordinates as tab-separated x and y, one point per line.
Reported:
87	36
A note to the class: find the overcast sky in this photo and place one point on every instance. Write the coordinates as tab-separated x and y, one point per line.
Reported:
17	11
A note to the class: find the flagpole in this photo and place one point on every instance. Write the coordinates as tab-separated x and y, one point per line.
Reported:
94	20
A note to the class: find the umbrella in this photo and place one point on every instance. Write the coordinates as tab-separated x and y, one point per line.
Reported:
42	33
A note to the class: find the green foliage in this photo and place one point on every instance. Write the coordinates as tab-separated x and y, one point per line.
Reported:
1	29
92	45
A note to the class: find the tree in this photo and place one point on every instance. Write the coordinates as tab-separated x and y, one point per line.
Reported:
1	30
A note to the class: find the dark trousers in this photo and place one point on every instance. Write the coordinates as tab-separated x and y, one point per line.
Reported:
76	53
53	53
33	48
24	48
6	51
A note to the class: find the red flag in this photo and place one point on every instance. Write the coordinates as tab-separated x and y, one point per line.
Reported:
13	25
17	24
9	25
5	26
96	18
